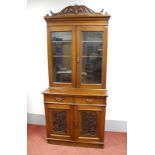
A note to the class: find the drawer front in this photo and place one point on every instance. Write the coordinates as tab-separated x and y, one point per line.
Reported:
90	100
58	98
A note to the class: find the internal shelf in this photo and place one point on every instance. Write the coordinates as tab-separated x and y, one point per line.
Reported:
92	41
65	41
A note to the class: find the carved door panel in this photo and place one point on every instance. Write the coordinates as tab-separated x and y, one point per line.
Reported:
90	123
59	121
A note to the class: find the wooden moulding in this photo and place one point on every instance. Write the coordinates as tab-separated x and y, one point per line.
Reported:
75	91
76	20
75	143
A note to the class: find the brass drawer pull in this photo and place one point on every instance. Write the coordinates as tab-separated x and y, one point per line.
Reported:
89	100
58	99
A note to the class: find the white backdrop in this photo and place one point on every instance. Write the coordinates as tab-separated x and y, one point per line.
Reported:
131	67
126	50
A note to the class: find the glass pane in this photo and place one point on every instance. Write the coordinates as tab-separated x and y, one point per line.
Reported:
91	70
92	49
61	48
62	56
62	71
61	36
92	36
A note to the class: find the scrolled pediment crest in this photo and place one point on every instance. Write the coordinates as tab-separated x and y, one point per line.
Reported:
76	10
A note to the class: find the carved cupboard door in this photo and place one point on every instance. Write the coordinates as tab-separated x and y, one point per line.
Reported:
90	123
59	119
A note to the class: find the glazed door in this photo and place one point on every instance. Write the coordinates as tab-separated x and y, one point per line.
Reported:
62	56
91	56
89	123
59	119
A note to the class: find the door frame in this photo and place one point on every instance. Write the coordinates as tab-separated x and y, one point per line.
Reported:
79	29
49	108
50	60
100	113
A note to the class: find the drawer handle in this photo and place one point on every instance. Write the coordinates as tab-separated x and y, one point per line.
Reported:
58	99
89	100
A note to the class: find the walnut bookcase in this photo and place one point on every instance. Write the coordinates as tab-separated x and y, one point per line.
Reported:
75	102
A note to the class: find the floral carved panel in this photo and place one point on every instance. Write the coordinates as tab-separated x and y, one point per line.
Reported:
59	121
89	123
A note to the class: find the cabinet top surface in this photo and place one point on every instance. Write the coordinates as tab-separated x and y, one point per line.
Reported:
75	91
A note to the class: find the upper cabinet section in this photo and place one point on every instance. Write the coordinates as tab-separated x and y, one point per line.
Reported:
77	47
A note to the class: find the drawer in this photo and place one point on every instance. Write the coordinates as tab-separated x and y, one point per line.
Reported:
58	98
90	100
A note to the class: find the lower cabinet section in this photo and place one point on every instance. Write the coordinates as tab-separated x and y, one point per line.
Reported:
75	124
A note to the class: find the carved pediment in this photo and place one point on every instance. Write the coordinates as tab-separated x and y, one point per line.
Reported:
75	10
